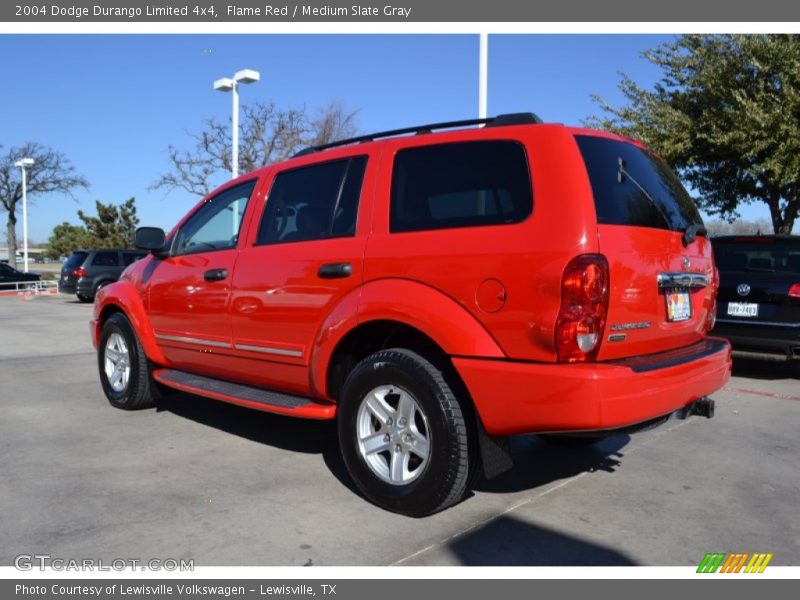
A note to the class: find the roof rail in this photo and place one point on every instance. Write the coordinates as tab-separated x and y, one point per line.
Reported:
498	121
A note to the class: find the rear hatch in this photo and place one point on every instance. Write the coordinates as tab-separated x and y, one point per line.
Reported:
661	288
756	275
74	261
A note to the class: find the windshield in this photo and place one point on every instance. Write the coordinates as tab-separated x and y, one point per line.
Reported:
757	254
649	194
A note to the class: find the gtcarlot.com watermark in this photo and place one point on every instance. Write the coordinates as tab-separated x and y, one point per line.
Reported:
42	562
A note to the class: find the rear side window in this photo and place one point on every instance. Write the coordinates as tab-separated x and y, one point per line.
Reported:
76	259
460	185
128	258
105	259
647	194
757	255
315	202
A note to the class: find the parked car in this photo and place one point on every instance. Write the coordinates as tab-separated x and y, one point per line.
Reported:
434	293
758	308
87	271
9	276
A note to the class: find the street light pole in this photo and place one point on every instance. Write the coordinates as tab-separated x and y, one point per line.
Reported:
231	84
22	163
483	75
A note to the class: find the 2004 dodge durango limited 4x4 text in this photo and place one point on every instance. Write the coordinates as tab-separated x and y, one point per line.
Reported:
434	293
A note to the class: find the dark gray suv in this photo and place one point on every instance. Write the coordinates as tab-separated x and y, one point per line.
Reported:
86	271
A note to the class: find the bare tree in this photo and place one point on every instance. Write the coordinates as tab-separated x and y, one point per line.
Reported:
267	135
50	173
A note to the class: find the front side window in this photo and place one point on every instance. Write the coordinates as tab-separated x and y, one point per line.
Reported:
460	185
216	225
312	203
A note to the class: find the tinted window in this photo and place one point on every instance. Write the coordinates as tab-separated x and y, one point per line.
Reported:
215	226
649	194
757	254
76	259
315	202
128	258
460	185
105	259
6	270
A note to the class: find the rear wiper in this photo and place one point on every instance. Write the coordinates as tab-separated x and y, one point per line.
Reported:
623	174
691	233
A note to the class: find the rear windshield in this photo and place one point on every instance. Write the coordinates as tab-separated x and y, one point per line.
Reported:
757	254
76	259
633	187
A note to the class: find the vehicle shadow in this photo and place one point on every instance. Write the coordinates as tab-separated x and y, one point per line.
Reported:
768	370
536	463
508	541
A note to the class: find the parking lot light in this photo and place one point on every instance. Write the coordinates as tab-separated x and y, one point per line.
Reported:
22	164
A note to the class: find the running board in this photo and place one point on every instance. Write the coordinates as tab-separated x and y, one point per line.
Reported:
245	395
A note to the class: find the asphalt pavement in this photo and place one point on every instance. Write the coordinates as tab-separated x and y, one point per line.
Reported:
203	480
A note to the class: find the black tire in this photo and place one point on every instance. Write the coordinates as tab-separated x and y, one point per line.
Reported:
84	298
444	478
572	441
141	391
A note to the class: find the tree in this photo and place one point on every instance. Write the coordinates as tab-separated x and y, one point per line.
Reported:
267	135
738	227
726	115
113	227
50	173
65	238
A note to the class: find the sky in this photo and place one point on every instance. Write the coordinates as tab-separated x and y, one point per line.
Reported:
114	103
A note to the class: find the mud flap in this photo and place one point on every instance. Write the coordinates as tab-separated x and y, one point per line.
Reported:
495	453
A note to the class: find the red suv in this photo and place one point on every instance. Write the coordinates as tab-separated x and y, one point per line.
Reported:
434	293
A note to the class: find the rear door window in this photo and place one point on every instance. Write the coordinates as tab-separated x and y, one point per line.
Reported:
315	202
460	185
128	258
105	259
647	194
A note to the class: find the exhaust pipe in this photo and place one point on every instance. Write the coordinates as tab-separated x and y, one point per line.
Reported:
703	407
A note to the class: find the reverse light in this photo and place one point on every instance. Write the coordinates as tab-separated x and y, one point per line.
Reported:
794	291
584	306
79	272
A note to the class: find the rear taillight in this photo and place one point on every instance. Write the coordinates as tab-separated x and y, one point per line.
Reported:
584	306
711	318
79	272
794	291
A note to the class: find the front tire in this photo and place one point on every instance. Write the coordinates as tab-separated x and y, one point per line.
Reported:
404	435
123	366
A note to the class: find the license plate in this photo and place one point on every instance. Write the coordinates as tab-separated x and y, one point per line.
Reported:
742	309
679	306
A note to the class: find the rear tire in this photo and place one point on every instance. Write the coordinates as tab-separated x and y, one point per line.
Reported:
84	298
404	435
123	366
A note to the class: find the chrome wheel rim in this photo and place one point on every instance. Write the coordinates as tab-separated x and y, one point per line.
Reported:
393	435
117	362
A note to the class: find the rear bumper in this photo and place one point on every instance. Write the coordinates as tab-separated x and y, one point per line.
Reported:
516	397
759	338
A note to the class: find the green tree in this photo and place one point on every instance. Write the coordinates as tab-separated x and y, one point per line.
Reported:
114	225
726	115
50	173
65	238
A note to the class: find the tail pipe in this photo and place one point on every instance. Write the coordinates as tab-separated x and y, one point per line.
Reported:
702	407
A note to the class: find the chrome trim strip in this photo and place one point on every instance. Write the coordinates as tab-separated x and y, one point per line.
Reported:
268	350
191	340
768	323
682	280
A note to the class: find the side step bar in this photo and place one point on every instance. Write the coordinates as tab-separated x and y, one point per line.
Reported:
245	395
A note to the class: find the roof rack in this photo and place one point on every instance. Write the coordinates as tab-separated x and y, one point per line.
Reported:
498	121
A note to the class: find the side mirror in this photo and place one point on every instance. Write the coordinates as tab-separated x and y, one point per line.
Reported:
150	238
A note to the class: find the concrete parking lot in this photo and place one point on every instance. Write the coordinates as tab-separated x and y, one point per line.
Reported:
226	486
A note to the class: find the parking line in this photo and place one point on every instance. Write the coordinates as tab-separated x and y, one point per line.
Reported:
760	393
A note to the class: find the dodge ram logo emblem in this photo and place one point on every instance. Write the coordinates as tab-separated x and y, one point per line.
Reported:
686	263
743	289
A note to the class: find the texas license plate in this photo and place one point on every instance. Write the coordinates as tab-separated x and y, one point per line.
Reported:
679	306
742	309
